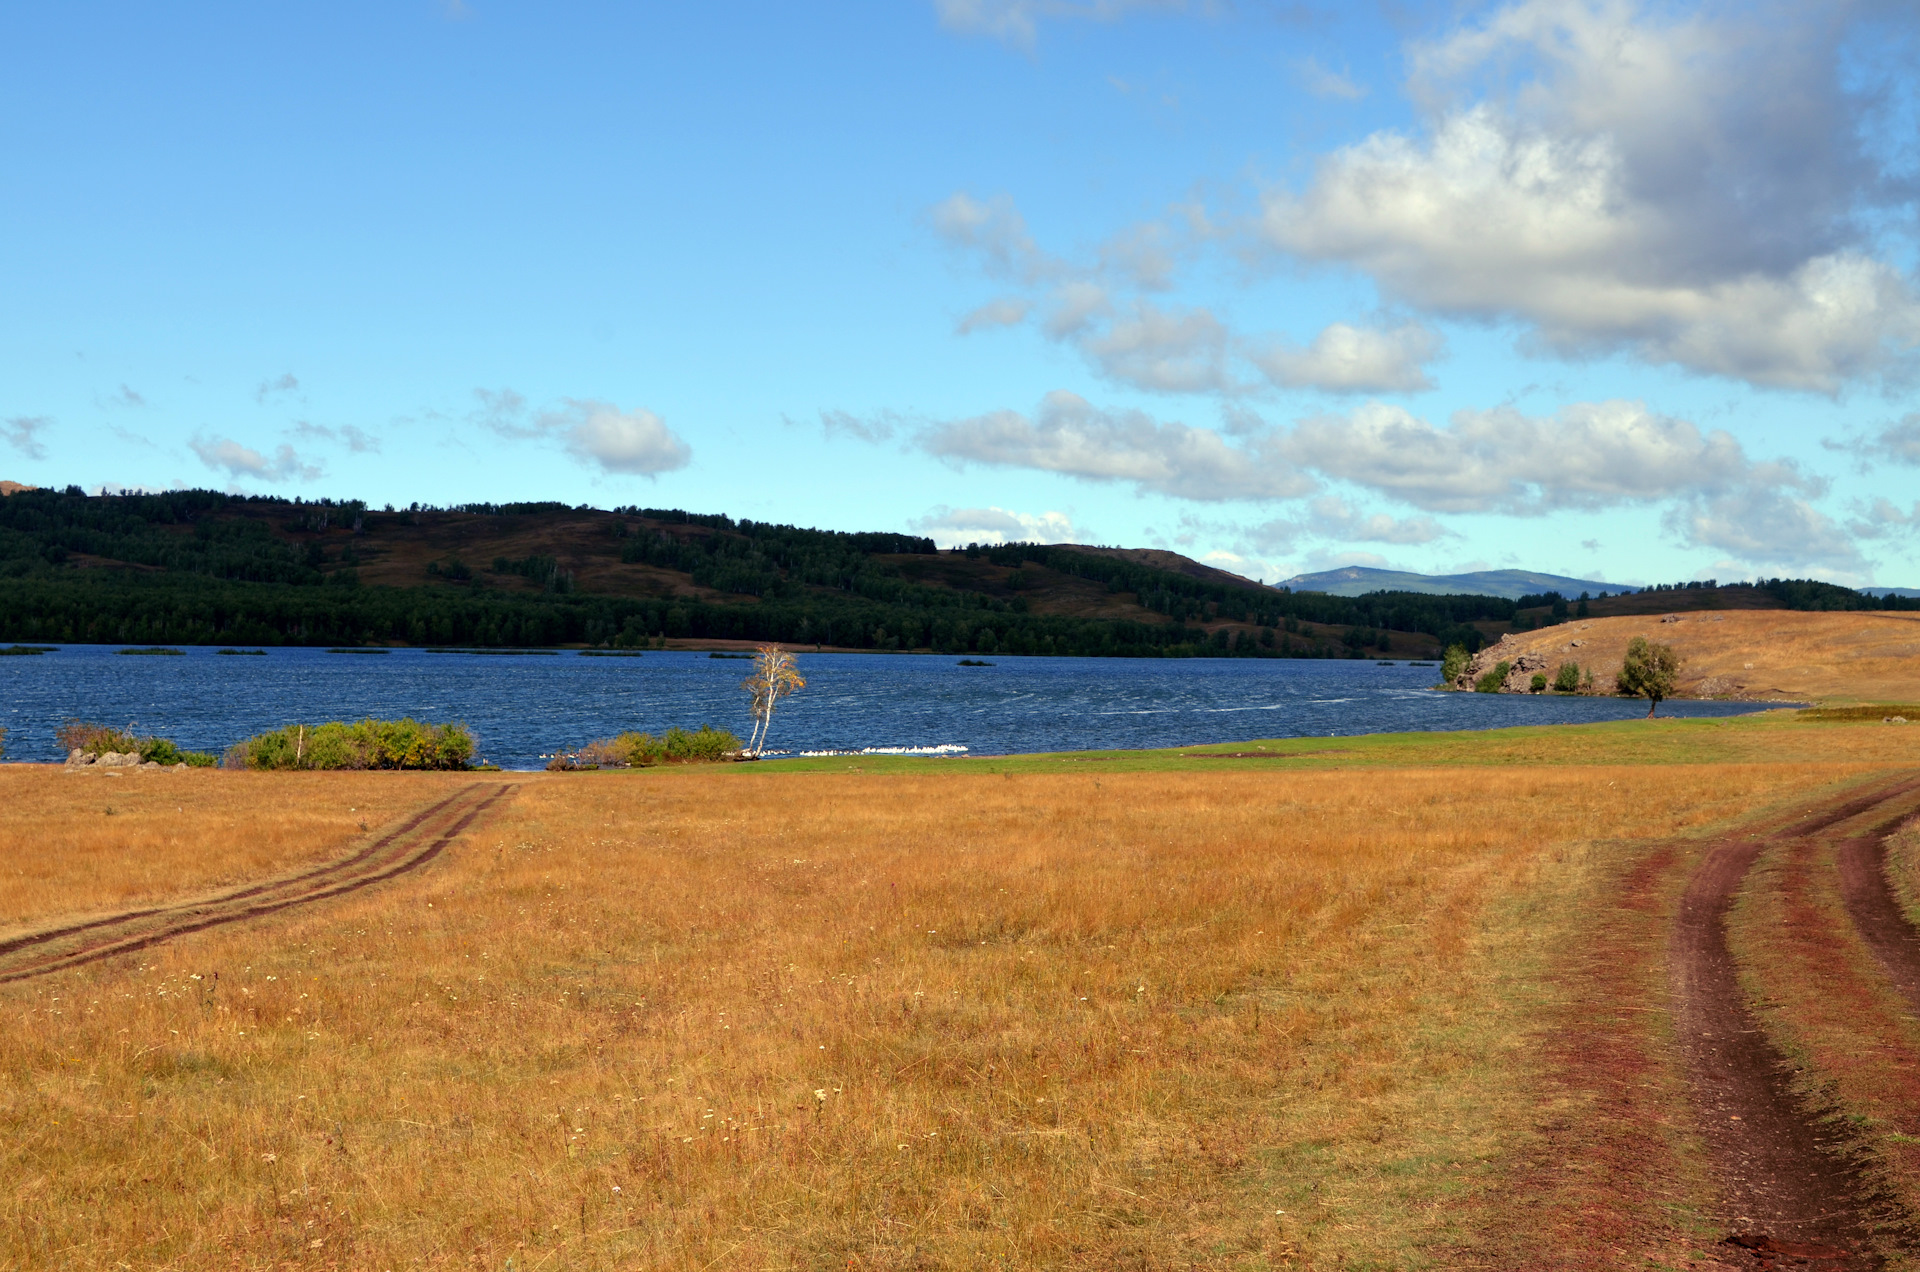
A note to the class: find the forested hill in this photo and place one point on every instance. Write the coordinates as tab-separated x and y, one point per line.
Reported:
201	567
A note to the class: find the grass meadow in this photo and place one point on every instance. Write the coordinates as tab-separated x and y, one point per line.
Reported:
1119	1012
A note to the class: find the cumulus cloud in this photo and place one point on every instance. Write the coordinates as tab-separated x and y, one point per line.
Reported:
1881	518
956	527
23	434
1168	351
1764	526
995	231
357	440
1330	517
637	442
1688	189
1007	311
235	460
280	384
1070	435
1898	442
1349	359
1017	22
1587	455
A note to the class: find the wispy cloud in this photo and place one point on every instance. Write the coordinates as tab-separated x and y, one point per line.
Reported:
955	527
277	386
228	456
22	432
354	439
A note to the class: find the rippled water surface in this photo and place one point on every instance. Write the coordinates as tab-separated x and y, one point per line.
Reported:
525	707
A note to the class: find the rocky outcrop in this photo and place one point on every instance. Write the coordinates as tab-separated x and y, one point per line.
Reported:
116	760
1521	667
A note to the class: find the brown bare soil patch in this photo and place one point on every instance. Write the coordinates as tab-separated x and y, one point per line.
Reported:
1778	654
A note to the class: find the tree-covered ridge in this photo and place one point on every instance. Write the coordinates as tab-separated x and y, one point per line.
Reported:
204	567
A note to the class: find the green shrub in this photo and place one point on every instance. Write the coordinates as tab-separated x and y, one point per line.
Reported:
1567	678
1454	665
363	744
1491	682
98	739
1539	682
644	750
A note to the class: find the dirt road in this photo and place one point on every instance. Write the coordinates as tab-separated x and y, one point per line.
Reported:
1790	1193
406	847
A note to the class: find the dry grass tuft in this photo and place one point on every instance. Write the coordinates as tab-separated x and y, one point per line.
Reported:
705	1020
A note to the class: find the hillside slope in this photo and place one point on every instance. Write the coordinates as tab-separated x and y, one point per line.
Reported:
201	567
1743	654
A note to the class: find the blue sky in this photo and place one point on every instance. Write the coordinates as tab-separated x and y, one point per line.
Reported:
1615	290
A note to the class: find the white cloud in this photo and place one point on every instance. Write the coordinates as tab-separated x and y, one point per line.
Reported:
1764	527
126	396
1684	189
1898	442
22	433
1348	359
284	383
243	461
1330	517
995	230
636	442
1071	436
357	440
1881	518
1167	351
1075	307
873	428
1321	82
956	527
1007	311
1017	22
1586	455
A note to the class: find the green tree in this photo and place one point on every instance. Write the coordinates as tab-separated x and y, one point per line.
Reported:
1539	682
1454	664
1649	672
1567	678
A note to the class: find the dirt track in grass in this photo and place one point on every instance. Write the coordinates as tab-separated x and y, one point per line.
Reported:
411	844
1790	1194
1876	912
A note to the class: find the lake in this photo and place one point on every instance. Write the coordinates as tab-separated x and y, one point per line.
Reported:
523	708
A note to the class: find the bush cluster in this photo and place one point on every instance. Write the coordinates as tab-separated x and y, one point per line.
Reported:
363	744
99	739
643	750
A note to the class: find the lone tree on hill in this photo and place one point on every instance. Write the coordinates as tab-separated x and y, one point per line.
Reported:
1649	672
774	677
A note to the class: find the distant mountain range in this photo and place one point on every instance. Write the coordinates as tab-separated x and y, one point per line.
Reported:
1356	580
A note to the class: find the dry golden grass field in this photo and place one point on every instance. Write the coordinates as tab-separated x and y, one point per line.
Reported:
1781	654
943	1016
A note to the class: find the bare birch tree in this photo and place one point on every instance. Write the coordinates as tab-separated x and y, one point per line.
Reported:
774	677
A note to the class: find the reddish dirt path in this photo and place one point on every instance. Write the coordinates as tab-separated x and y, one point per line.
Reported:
407	847
1788	1195
1876	912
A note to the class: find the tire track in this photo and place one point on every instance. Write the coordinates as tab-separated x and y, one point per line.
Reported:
1876	912
1791	1192
407	847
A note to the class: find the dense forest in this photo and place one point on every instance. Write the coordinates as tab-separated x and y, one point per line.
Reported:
201	567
